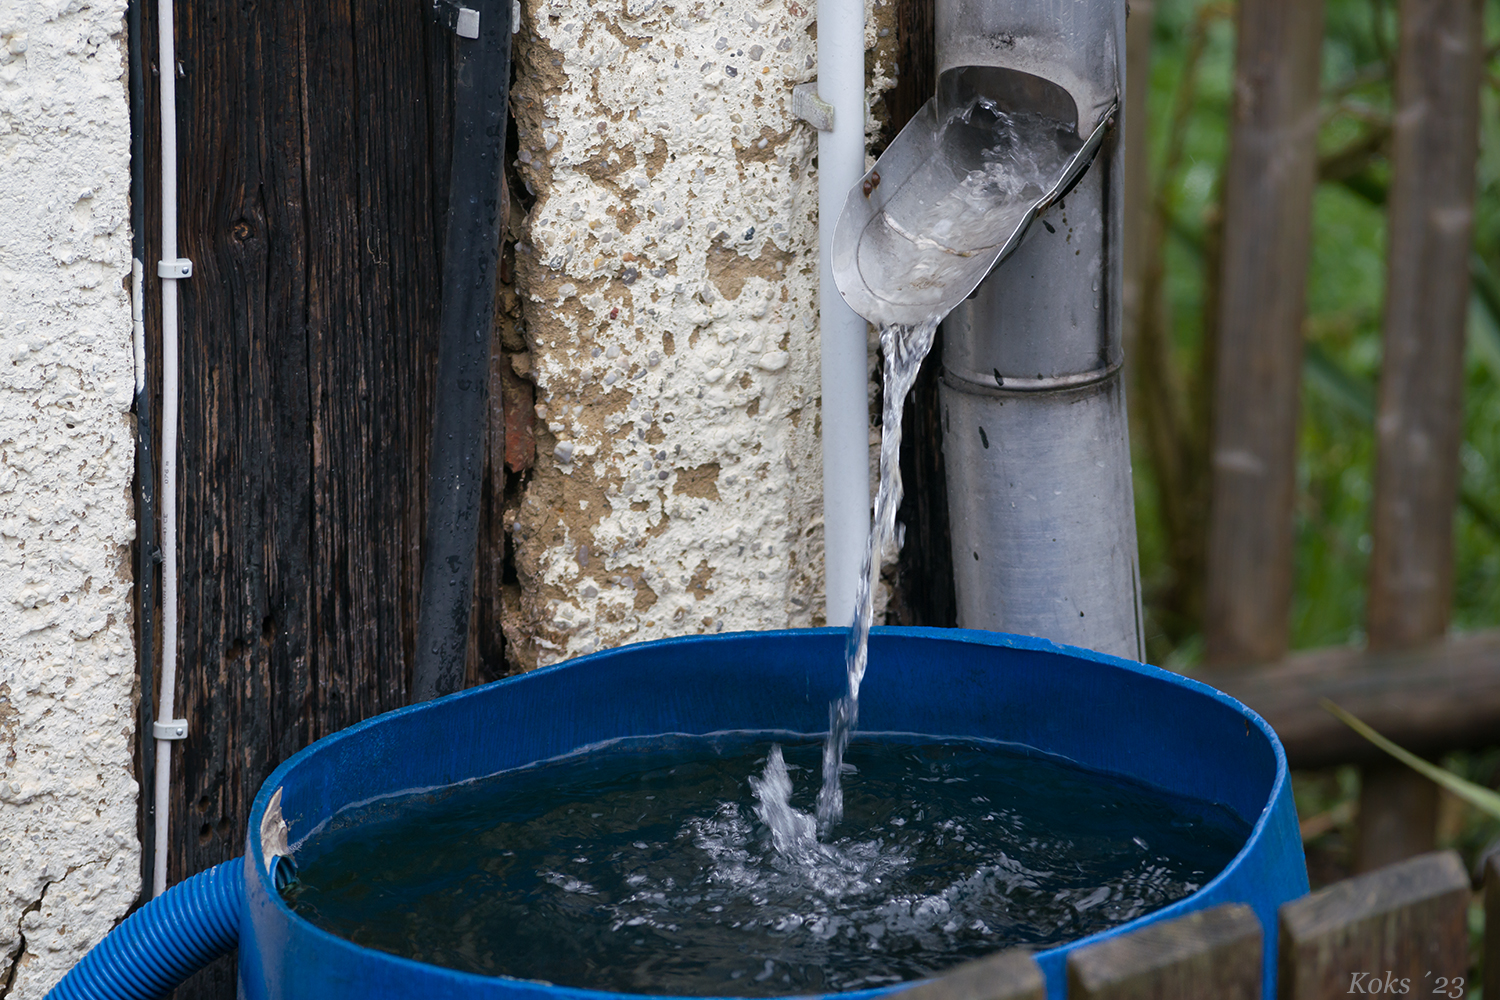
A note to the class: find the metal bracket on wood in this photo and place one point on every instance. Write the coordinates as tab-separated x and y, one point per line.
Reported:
172	729
462	21
174	269
807	105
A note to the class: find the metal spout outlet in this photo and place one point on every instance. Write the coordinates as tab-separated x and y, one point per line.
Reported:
1029	279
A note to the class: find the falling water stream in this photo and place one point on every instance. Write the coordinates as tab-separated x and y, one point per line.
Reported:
903	347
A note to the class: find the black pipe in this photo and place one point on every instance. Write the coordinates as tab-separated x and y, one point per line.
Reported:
481	83
147	554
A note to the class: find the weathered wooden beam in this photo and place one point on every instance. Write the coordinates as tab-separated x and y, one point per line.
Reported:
1491	954
1009	975
1433	698
1403	927
1211	953
316	168
1419	421
1268	188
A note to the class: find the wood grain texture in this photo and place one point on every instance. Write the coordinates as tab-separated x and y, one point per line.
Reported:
1406	922
1419	418
1441	696
1211	953
1009	975
486	646
313	177
1268	189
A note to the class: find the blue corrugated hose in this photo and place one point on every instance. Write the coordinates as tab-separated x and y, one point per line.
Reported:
158	946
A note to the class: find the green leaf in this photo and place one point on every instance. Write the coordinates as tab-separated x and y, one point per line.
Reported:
1476	795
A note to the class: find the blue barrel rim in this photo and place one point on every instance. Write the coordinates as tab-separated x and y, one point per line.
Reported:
256	864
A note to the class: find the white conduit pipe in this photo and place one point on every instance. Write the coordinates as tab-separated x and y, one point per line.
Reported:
167	730
842	339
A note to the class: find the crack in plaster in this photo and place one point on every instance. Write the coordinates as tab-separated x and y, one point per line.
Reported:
14	958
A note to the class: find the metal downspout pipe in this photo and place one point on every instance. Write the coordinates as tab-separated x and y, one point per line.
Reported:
1041	509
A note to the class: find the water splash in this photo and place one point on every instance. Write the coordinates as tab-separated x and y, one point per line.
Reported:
793	833
830	871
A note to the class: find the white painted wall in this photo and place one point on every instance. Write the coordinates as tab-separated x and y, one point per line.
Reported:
669	267
69	858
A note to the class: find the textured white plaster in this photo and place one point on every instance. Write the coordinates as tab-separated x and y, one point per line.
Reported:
69	858
670	270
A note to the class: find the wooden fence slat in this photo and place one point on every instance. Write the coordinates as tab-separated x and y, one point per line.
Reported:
1212	953
1419	424
1406	923
1397	815
1431	699
1491	952
1009	975
1140	22
1268	189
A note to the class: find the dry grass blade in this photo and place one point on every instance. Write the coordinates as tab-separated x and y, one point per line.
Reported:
1476	795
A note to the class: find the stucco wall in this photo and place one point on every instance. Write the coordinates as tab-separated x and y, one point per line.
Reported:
669	267
69	858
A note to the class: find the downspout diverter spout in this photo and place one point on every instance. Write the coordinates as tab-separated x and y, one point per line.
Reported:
1033	404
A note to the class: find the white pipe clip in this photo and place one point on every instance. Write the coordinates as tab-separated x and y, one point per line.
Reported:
808	106
172	729
175	269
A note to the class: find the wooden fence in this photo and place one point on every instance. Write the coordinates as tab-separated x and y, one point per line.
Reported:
1402	930
1236	482
1272	162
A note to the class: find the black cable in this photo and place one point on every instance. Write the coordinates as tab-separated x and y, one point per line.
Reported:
147	555
481	84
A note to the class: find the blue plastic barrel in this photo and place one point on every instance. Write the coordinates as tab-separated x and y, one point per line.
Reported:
1104	713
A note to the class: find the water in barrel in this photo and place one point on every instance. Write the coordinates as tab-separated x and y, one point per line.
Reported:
692	866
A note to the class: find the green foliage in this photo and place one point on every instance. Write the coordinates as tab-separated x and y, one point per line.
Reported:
1345	291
